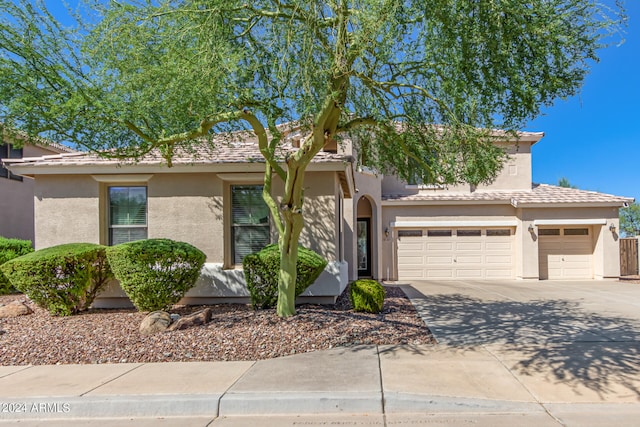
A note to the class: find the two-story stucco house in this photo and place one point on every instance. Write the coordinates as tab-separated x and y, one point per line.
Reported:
16	192
365	224
511	229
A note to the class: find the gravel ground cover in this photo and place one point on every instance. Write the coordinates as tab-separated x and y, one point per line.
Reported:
235	332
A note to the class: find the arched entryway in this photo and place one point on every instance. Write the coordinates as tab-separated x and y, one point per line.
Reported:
364	237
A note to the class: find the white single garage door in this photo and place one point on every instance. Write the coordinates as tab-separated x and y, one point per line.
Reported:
565	253
463	253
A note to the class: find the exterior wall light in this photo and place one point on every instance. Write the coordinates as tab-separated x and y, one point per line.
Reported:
531	228
386	232
612	227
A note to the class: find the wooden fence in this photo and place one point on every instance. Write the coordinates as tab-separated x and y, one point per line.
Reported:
628	256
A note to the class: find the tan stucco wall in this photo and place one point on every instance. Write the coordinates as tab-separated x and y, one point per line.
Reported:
66	210
16	206
320	209
515	175
16	202
516	172
186	207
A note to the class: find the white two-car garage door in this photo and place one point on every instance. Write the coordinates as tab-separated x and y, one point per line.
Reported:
565	253
463	253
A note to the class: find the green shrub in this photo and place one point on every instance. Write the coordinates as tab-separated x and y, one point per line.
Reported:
155	273
261	273
367	295
63	279
10	249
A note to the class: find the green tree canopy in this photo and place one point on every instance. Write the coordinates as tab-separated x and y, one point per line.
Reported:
630	220
417	85
564	182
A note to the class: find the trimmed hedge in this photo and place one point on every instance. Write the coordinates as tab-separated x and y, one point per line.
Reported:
367	295
261	273
155	273
10	249
64	279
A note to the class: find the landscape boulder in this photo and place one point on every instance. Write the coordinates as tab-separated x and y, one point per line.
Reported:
201	317
154	322
14	309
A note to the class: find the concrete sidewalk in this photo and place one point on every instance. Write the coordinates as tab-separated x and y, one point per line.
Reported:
525	354
366	385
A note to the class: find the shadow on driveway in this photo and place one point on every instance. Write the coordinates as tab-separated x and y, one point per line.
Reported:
556	338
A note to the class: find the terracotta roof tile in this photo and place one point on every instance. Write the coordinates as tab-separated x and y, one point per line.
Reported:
538	195
197	154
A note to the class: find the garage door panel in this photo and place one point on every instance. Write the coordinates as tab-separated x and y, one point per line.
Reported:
463	273
461	256
408	246
439	246
411	261
439	260
469	246
467	259
498	246
565	256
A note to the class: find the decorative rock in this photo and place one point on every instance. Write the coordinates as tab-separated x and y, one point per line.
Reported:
14	309
198	318
174	317
156	321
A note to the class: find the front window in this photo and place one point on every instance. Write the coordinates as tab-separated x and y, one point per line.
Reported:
127	214
8	151
250	230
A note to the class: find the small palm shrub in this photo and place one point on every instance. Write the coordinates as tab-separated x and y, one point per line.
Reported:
155	273
64	279
261	273
10	249
367	295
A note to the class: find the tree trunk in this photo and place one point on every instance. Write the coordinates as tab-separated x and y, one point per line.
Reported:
291	213
288	273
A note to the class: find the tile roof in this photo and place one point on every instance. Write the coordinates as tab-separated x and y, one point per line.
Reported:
196	154
540	194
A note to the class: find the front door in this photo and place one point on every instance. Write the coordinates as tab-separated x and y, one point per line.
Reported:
364	247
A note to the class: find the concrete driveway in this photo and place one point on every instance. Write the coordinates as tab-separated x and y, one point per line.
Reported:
564	342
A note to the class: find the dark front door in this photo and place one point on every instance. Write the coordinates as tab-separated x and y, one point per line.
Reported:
364	247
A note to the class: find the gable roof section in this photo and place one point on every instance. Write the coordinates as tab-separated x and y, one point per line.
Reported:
540	195
235	156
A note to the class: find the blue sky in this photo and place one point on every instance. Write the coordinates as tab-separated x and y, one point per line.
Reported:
594	139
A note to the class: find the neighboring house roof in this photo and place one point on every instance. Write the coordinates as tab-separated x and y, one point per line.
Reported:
39	142
540	195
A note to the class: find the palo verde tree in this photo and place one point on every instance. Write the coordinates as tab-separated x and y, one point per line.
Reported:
416	85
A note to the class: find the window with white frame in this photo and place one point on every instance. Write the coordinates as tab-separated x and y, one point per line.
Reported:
127	214
250	226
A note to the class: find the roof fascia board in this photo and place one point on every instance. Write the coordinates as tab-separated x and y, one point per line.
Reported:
457	223
571	205
588	221
443	202
26	169
118	178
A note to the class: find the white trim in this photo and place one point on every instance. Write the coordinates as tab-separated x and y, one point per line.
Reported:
241	177
478	223
123	178
591	221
